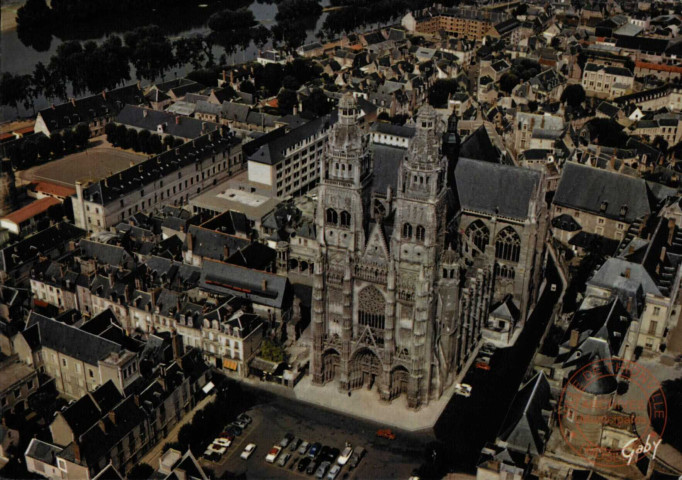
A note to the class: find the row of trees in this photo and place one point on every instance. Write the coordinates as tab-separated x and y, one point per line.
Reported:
141	141
40	149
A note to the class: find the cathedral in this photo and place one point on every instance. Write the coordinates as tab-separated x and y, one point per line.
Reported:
399	300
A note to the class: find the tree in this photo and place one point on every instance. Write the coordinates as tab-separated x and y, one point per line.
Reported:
287	100
533	106
44	147
272	352
169	142
573	95
143	140
508	81
151	52
317	102
110	129
82	134
154	144
70	142
441	90
29	153
606	132
247	87
121	136
260	35
57	144
132	139
14	89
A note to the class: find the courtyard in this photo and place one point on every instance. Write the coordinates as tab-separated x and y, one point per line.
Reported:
98	161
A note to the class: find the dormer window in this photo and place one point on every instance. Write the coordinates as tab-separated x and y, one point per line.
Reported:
603	206
623	210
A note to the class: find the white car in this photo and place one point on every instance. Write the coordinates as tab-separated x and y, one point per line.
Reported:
463	389
273	454
345	455
248	451
223	442
333	472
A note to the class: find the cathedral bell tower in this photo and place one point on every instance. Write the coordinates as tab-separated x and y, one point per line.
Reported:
345	172
417	245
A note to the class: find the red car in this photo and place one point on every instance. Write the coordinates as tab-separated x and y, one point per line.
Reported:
482	366
386	433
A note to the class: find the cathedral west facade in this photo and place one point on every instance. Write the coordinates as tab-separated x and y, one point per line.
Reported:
398	300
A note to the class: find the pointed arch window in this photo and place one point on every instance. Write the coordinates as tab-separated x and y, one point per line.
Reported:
478	234
420	233
332	216
345	219
508	245
407	230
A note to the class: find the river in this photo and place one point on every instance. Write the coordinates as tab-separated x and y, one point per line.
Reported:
17	58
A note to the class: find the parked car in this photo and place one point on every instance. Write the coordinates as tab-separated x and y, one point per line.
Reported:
488	349
333	472
324	452
273	453
303	463
332	455
223	442
303	448
234	429
286	440
242	424
314	450
244	417
283	459
312	468
294	463
322	470
295	444
386	433
482	365
227	435
345	455
358	453
248	451
463	389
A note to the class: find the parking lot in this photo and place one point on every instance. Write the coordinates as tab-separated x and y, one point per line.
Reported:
272	420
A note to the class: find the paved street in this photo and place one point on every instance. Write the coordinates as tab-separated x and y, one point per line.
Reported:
274	416
468	423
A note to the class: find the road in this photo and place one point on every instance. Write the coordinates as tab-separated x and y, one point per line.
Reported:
468	423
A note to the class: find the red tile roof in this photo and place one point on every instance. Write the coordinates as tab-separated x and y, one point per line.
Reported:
31	210
656	66
53	189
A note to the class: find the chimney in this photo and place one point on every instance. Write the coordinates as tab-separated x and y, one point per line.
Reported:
190	242
671	231
231	77
264	285
104	94
575	336
136	399
175	343
73	102
103	426
112	278
226	252
225	76
53	107
112	417
177	119
627	273
77	452
145	113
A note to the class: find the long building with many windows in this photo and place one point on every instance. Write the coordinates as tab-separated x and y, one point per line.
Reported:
171	178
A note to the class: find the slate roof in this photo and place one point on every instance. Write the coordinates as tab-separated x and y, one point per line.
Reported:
395	130
526	426
387	161
179	126
480	145
88	409
40	243
104	253
70	340
246	283
495	189
586	188
107	104
271	151
506	309
211	244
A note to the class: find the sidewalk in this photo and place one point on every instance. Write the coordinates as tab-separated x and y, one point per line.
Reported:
365	404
